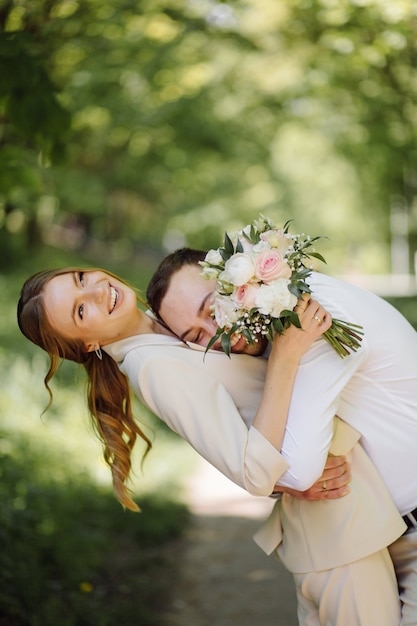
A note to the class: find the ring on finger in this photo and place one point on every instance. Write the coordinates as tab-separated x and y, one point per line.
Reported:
324	486
318	319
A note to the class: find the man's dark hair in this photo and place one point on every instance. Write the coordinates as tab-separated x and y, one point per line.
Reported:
170	265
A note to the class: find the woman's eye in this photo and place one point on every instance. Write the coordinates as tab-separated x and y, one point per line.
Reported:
81	277
81	311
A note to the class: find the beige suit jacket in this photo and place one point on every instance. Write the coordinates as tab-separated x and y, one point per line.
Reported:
315	536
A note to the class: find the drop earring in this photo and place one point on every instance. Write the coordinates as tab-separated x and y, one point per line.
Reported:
99	353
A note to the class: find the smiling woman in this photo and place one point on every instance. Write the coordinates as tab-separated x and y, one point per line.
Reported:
71	313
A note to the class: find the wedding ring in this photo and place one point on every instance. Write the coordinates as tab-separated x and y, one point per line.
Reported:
318	319
324	486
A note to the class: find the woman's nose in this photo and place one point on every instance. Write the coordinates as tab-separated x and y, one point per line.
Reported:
97	293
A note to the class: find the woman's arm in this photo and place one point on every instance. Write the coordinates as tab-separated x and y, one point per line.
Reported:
191	393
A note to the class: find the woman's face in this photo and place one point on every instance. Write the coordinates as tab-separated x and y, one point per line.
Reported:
91	306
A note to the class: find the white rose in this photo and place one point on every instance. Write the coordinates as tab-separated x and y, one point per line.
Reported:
274	298
239	269
213	257
225	311
261	246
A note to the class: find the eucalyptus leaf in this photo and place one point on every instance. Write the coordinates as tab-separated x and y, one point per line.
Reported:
239	247
225	341
317	255
228	245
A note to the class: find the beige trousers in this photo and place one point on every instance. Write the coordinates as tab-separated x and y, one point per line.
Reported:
363	593
404	555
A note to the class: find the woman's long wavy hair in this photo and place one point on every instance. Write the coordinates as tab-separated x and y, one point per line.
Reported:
108	390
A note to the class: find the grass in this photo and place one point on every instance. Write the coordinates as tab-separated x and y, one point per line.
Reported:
71	555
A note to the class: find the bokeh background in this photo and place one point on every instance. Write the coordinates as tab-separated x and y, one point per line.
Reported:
129	128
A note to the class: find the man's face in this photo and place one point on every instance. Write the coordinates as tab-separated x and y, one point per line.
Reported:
186	309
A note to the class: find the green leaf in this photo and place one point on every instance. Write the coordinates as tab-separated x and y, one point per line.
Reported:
247	334
226	343
317	255
291	317
253	234
295	290
213	340
225	255
278	325
228	245
286	226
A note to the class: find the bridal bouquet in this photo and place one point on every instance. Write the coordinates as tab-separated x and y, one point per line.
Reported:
261	272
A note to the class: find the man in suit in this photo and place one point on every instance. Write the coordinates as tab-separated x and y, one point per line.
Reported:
373	390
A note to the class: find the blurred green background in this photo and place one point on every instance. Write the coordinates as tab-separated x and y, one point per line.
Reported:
130	128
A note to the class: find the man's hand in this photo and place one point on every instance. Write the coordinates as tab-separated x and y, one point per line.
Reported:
332	484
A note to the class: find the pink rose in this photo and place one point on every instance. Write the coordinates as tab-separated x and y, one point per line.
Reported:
270	266
244	296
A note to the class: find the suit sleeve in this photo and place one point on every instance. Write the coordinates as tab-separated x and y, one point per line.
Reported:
194	404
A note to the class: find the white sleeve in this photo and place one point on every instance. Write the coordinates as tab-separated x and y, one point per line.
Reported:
320	380
197	407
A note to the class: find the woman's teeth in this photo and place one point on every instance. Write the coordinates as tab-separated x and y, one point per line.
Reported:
113	299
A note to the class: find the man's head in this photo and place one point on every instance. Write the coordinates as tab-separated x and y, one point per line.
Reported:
181	298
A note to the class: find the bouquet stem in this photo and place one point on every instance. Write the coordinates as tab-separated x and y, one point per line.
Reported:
344	337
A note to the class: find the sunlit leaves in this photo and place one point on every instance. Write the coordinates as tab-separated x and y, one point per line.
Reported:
212	111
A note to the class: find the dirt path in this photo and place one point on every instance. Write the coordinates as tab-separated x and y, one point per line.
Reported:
225	579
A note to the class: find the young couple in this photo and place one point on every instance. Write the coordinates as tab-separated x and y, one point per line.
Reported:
262	422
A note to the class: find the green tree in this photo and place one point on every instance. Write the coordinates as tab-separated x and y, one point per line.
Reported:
179	119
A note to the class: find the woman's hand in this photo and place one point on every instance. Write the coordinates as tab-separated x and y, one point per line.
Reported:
314	320
332	484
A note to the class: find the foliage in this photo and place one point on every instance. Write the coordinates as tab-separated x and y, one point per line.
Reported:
361	59
186	118
70	554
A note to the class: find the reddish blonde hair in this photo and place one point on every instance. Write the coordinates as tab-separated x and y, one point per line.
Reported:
108	390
